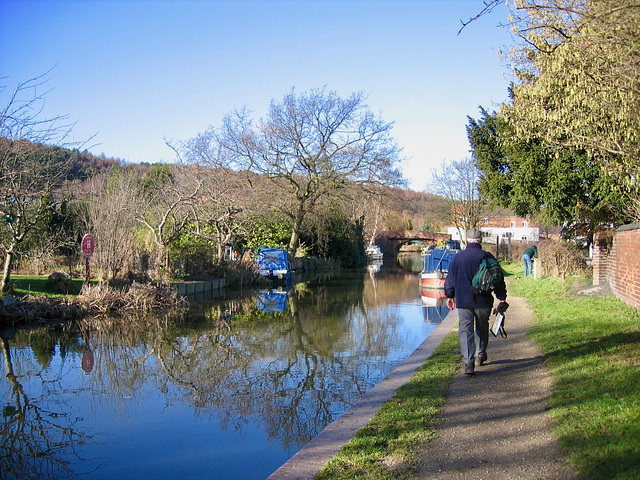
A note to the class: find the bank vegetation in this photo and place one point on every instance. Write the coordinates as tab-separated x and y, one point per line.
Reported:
318	175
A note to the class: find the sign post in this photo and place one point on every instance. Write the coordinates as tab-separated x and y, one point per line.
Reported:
87	250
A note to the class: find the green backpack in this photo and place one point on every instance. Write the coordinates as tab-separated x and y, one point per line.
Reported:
488	277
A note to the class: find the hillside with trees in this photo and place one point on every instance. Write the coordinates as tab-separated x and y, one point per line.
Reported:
182	219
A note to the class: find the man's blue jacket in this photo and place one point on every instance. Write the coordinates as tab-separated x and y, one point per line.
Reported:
462	269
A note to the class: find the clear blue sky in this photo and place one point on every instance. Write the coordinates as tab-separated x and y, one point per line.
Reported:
134	72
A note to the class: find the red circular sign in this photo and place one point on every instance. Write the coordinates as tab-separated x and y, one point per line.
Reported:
87	245
87	361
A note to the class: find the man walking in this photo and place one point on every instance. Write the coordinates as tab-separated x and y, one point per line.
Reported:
472	308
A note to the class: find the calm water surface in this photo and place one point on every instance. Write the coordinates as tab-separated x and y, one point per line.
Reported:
231	390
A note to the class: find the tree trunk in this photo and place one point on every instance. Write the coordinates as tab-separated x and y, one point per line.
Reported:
295	232
375	226
293	242
6	271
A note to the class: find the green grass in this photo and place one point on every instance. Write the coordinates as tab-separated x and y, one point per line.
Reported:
592	348
40	285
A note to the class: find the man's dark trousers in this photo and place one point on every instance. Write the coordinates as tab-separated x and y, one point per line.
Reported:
467	317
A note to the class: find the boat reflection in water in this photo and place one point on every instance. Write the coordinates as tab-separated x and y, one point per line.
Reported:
434	305
273	300
374	266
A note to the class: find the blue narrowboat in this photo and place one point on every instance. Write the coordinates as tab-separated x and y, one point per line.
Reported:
436	265
274	263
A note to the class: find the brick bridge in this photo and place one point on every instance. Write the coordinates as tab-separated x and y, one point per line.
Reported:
391	240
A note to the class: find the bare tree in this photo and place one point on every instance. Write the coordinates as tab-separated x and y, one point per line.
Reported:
457	182
369	206
487	7
163	207
312	146
110	218
227	199
29	173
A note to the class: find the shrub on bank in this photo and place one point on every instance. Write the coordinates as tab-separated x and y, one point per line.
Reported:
97	299
556	258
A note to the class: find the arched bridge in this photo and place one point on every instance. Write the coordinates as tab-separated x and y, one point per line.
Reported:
391	240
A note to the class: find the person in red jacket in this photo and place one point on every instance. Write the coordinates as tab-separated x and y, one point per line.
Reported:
473	309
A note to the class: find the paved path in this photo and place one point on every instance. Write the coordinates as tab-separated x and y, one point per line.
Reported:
494	425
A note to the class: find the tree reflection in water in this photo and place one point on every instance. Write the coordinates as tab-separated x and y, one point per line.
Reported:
291	373
36	436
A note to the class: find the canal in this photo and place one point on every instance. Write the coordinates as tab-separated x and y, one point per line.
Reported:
231	389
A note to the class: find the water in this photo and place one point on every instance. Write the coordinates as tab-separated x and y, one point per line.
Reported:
231	390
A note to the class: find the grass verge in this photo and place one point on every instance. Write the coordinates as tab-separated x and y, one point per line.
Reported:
41	285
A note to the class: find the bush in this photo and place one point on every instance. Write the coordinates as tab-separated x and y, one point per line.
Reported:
560	259
557	258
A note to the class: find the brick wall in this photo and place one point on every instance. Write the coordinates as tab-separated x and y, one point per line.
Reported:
602	243
616	259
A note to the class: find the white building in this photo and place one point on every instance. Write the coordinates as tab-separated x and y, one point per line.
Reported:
519	229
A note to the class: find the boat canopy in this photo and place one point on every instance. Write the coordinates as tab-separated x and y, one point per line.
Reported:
273	261
438	259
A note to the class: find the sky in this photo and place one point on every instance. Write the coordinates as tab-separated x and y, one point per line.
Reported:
134	73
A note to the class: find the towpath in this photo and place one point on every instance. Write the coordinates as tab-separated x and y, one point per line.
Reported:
495	424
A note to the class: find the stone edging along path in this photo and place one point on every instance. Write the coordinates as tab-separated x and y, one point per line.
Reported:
310	459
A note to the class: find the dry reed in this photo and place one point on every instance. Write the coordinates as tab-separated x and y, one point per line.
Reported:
92	301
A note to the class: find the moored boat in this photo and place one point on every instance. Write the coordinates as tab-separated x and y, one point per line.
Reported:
436	265
274	263
373	252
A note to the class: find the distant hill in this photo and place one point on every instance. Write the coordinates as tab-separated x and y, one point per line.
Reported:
404	209
84	164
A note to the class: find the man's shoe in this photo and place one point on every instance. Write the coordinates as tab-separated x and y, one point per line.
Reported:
468	369
481	359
